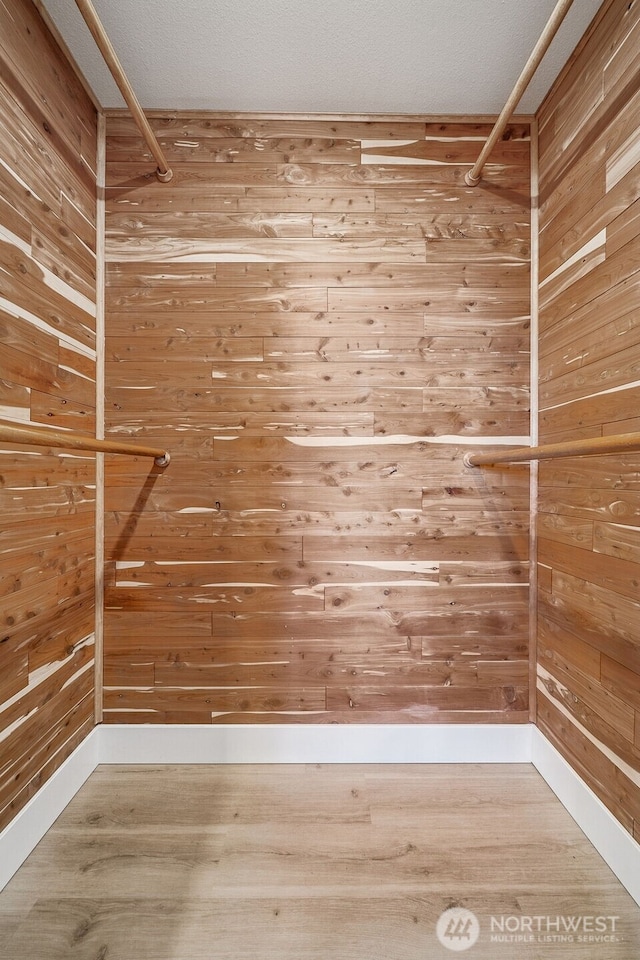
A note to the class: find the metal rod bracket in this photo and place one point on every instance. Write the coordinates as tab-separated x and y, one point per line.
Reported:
99	34
473	177
597	447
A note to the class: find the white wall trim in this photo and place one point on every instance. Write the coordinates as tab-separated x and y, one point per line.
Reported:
614	844
254	743
334	743
318	743
29	826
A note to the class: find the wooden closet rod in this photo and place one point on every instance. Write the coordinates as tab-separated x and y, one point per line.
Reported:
86	8
42	437
473	176
599	446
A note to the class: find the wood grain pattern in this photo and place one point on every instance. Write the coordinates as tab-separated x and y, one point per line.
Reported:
317	317
298	862
589	534
314	328
47	370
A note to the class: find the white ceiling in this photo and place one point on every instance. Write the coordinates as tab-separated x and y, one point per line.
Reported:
323	56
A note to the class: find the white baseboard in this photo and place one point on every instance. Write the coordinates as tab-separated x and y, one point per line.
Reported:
234	743
615	845
31	823
335	743
319	743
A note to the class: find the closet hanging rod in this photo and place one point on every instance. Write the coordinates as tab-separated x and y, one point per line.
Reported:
473	176
86	8
43	437
599	446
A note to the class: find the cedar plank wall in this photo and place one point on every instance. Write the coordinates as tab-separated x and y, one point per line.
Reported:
316	318
47	376
589	519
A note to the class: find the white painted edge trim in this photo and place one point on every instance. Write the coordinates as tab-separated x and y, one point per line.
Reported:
29	826
615	845
321	743
254	743
339	743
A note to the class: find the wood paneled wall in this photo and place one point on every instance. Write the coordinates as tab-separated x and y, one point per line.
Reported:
317	318
589	520
47	376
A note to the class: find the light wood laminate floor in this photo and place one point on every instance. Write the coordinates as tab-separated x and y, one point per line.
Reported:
314	863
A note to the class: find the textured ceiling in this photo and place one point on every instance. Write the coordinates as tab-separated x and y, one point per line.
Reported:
323	56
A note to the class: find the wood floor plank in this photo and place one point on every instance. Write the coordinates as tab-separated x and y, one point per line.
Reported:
308	861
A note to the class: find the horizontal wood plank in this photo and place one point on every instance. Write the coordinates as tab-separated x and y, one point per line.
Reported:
313	328
48	136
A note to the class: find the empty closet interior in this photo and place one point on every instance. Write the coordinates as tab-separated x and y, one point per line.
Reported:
319	319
